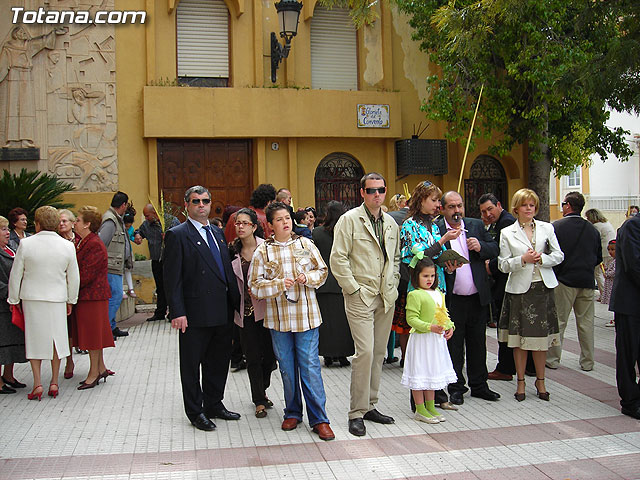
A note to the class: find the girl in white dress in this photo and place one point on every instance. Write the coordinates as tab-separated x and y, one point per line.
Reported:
427	365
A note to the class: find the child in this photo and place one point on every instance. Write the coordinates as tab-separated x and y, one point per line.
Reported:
427	365
286	269
128	218
609	273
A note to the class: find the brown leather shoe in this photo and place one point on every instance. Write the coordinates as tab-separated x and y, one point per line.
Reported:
324	431
289	424
496	375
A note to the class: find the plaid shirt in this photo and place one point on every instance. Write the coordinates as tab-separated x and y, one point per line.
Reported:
273	262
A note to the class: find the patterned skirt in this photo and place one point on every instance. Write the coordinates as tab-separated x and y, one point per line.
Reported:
400	324
530	320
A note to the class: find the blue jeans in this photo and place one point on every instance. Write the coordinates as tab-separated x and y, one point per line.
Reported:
115	283
297	354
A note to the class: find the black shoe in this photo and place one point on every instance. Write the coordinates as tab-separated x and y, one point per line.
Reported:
328	361
390	360
201	422
402	363
356	427
6	389
236	367
375	416
119	333
223	414
14	384
155	317
632	412
344	362
457	398
486	394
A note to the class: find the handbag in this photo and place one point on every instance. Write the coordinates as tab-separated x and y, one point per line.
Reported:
17	316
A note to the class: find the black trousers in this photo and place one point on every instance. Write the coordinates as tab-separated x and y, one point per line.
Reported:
237	354
161	301
256	342
627	359
469	337
208	348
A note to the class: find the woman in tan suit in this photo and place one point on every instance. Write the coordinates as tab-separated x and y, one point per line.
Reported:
45	279
529	250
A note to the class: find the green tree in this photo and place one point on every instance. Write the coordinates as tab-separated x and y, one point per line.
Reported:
549	69
30	190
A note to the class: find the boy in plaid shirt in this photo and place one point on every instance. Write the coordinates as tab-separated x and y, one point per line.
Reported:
286	269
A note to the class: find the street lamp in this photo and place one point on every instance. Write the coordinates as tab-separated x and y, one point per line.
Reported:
288	14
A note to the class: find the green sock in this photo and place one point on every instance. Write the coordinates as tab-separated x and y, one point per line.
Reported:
422	410
431	408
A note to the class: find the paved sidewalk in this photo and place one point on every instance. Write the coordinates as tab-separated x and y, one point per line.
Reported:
134	427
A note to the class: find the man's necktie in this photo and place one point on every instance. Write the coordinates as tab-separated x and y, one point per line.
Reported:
215	251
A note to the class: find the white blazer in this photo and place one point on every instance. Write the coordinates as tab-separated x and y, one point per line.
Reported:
45	268
514	243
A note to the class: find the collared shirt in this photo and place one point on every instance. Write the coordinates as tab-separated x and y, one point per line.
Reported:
463	284
294	309
378	227
153	233
202	230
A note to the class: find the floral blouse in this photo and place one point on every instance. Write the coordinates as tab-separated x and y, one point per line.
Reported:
416	232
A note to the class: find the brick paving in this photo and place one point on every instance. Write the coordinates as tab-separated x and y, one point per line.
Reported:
134	427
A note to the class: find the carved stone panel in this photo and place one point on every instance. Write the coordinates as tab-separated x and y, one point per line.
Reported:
66	92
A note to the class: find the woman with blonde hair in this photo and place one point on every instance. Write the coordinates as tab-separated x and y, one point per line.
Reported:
397	202
529	250
45	280
607	233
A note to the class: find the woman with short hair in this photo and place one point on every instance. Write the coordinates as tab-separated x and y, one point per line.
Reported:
45	280
11	337
91	329
18	225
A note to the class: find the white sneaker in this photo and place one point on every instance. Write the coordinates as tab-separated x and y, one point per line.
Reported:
422	418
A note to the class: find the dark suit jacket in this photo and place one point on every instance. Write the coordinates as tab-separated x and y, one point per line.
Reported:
192	282
324	241
580	242
488	249
626	283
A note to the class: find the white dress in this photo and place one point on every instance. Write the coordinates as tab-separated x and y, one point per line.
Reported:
427	363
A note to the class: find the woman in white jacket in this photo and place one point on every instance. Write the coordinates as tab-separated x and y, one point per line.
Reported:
529	321
45	279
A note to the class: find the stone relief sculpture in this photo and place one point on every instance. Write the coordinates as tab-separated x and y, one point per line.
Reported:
16	80
72	94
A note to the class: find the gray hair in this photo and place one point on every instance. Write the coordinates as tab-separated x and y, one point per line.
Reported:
198	189
68	213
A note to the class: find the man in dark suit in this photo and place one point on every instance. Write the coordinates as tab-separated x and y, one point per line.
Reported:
624	302
202	294
468	291
493	213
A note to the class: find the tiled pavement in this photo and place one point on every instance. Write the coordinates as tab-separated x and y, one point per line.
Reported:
134	427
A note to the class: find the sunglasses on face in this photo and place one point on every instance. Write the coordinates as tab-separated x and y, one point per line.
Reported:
205	201
371	191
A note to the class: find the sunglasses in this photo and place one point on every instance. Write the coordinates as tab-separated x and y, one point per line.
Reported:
205	201
371	191
565	203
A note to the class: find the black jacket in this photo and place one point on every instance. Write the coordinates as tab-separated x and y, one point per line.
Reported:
580	242
192	282
625	296
489	249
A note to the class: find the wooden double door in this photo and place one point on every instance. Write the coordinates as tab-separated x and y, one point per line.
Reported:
222	166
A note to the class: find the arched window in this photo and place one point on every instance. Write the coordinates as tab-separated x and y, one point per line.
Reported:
486	176
338	178
203	43
334	59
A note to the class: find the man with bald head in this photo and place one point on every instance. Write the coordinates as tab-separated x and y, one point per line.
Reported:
151	229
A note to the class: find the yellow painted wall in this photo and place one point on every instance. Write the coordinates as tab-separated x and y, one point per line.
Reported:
307	124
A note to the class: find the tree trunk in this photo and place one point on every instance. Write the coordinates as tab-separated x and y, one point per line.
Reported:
539	174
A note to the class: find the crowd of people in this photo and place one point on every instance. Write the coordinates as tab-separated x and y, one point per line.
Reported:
276	288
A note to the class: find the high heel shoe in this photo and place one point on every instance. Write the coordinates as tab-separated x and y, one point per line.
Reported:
86	386
541	395
520	396
33	395
53	393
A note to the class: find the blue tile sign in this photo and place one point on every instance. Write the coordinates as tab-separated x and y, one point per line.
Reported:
373	116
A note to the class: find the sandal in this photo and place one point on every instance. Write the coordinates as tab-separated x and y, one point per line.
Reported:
261	411
520	396
541	395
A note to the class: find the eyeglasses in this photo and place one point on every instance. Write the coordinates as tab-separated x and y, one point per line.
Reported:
243	224
371	191
205	201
